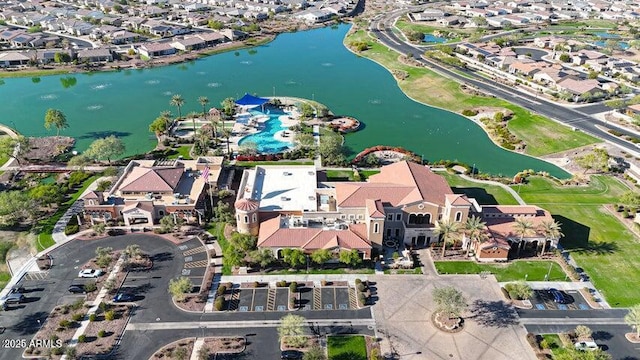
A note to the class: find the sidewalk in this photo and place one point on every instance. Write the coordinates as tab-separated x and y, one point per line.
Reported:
217	275
315	278
490	182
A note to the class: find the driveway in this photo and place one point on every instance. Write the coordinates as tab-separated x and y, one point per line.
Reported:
491	329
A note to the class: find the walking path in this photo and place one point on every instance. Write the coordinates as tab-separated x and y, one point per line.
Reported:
316	135
490	182
217	275
242	324
315	278
196	349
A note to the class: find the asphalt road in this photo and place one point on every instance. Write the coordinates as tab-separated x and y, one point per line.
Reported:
381	28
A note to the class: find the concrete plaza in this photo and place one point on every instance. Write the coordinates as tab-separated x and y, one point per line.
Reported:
491	327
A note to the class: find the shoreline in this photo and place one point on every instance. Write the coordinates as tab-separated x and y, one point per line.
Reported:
438	107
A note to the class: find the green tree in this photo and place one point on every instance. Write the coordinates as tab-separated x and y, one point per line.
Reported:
519	290
332	150
244	242
14	148
61	57
79	160
294	257
305	139
222	212
583	332
474	228
306	110
321	256
46	194
159	126
315	353
351	258
15	207
449	301
292	329
133	251
633	319
215	24
228	107
593	75
55	118
522	228
179	287
234	256
99	228
203	100
262	257
414	36
616	104
178	102
226	134
106	148
631	199
596	159
564	57
446	230
551	230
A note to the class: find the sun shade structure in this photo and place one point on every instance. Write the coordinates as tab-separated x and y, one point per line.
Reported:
251	101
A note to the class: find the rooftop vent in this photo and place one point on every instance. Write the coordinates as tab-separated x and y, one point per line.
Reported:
284	198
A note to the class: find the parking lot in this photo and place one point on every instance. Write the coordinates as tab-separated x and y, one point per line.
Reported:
307	298
195	261
542	300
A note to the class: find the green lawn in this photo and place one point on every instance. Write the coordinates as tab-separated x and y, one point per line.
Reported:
45	226
513	271
597	240
321	271
217	229
542	135
339	175
251	164
347	348
4	279
181	151
485	194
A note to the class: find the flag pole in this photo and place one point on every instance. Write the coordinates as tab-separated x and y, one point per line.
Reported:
210	197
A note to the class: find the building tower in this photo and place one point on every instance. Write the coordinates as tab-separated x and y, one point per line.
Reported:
247	218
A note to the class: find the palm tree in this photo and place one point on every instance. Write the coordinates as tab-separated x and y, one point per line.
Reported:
446	230
177	101
193	115
57	119
551	230
226	133
203	100
523	227
474	227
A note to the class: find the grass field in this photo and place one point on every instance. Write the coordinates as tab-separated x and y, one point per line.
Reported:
347	348
217	229
485	194
45	227
597	240
542	135
182	151
513	271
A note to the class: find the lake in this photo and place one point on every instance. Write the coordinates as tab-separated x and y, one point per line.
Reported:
312	64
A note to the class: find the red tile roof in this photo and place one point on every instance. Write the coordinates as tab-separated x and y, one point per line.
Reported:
142	179
247	204
375	208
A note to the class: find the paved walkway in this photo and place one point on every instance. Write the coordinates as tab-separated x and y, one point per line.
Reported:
196	349
316	135
242	324
216	262
273	279
506	187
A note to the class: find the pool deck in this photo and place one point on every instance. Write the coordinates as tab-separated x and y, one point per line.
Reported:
240	130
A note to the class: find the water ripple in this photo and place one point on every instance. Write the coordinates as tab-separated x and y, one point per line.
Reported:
100	86
214	84
94	107
49	97
152	82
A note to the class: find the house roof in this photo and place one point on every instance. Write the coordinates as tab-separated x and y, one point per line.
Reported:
356	194
91	195
502	228
142	179
247	205
375	208
142	205
579	87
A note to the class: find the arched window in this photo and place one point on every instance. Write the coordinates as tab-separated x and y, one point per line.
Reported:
420	219
254	218
458	216
412	219
246	219
427	218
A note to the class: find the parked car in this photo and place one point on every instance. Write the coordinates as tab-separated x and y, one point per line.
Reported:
291	354
586	346
14	298
124	297
77	289
559	297
90	273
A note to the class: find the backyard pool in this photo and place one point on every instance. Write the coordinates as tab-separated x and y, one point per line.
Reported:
430	38
265	139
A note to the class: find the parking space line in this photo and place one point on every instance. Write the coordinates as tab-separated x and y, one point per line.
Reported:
253	297
335	297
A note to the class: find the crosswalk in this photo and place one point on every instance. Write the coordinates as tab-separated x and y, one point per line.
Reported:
36	275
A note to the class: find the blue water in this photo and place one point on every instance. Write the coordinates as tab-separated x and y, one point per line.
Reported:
623	45
267	144
430	38
604	35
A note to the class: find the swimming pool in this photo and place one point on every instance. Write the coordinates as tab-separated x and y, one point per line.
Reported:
267	143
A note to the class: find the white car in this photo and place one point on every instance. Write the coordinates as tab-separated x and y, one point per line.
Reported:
586	346
90	273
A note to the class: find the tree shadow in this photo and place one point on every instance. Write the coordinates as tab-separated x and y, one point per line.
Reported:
29	324
481	195
163	256
601	335
577	239
493	313
103	134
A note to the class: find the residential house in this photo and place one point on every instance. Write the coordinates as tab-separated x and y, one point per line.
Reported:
13	59
152	50
98	55
580	87
149	190
427	15
527	67
189	44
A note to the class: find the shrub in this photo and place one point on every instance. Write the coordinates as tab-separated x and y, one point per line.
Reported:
102	333
90	286
71	229
358	281
469	112
293	287
219	303
82	338
77	317
56	351
360	287
109	315
281	283
374	354
256	284
544	344
221	290
53	337
92	317
64	323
